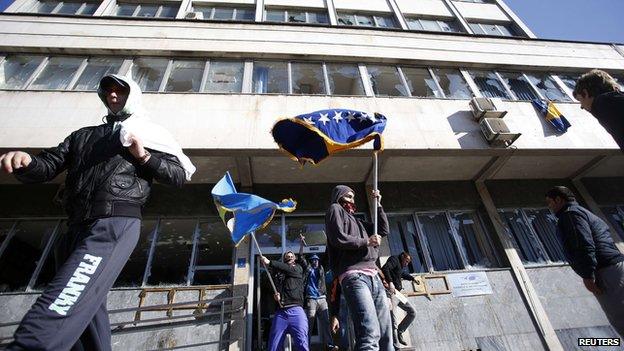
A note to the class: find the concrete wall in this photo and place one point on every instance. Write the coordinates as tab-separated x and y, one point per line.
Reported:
363	6
144	336
435	8
43	119
489	322
606	191
197	38
573	311
320	4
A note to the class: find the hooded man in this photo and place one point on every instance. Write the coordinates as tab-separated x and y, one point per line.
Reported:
106	185
289	317
353	250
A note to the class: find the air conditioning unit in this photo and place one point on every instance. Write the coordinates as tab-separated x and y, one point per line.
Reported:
486	108
194	15
496	132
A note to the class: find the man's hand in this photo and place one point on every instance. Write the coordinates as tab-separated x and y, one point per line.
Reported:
277	297
137	150
374	240
14	160
591	285
391	288
265	260
335	324
376	195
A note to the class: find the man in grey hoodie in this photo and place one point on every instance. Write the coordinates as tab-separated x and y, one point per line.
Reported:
353	249
105	188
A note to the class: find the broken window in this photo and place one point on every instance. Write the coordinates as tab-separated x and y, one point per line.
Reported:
146	10
226	13
296	16
344	79
270	77
452	83
65	7
134	270
403	237
23	251
386	81
97	67
271	235
544	224
224	77
307	78
439	241
526	241
615	215
420	82
547	87
519	86
473	240
312	228
173	252
434	25
149	72
364	20
569	79
57	74
17	69
214	254
489	84
185	76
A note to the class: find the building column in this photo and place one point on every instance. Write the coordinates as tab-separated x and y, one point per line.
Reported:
240	288
331	11
398	14
462	21
538	314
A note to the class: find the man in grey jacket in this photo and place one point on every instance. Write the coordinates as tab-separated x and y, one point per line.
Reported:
591	252
353	250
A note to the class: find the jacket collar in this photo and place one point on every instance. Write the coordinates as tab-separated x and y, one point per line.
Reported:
565	208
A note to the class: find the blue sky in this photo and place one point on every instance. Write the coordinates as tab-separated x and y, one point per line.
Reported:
583	20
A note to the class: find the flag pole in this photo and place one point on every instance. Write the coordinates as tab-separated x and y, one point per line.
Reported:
376	202
265	266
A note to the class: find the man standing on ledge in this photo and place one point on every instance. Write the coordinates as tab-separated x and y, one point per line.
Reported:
105	188
353	250
591	252
394	272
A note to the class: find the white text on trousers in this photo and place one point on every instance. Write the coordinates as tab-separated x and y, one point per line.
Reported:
76	284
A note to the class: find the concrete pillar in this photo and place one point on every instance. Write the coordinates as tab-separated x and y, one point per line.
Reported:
545	328
240	287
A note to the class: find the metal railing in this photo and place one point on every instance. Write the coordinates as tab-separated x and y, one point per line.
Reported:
227	309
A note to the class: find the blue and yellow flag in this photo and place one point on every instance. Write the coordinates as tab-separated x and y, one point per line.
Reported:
552	115
312	137
244	213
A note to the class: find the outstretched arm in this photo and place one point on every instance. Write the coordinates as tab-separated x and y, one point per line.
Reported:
40	168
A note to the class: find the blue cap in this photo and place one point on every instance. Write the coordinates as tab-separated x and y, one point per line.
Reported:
314	257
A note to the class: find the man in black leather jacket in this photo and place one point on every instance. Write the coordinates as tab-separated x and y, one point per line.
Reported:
105	188
591	252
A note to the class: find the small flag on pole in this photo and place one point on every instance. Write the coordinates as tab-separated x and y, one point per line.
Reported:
247	212
312	137
552	115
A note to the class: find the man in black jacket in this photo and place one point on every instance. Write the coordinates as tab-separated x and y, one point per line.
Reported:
591	252
105	188
353	249
289	317
394	273
599	94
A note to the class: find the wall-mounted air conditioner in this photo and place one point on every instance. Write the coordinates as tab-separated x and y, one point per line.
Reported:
194	15
486	108
496	132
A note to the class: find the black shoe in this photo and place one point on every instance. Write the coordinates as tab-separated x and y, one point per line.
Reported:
400	338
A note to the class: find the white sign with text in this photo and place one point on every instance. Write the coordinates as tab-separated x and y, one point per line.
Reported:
469	284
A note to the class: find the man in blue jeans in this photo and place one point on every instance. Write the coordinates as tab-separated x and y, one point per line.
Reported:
353	250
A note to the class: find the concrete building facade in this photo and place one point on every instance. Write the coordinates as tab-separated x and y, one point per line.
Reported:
218	74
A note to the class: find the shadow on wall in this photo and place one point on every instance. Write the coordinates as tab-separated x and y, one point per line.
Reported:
467	129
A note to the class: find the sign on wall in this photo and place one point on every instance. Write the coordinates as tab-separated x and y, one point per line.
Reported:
469	284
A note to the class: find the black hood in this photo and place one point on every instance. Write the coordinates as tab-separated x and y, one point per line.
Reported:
340	191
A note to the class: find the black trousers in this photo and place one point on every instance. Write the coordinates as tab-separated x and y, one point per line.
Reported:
71	312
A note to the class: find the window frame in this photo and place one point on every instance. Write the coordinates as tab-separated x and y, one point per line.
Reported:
373	15
284	11
215	6
508	27
451	23
57	8
138	5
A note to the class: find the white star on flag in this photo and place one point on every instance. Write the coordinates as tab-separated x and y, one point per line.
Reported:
337	116
371	117
324	118
308	120
363	117
350	117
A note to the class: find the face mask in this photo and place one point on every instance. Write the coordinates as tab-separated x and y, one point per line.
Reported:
348	206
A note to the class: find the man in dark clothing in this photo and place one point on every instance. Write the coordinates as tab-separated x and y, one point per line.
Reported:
289	317
591	252
599	94
353	249
394	273
105	188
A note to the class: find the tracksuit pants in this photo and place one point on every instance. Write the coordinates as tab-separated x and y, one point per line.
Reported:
71	312
293	321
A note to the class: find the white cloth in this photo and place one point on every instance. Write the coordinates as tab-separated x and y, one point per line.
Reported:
154	137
